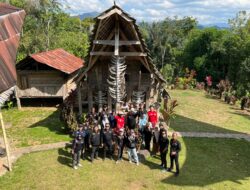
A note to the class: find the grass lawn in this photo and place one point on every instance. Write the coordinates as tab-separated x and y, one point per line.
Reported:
201	113
205	163
33	126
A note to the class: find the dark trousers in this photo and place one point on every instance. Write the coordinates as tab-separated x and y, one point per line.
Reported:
83	151
164	159
120	152
174	158
94	153
147	144
108	148
76	157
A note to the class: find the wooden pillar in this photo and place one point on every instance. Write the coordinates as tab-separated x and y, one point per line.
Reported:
19	106
90	99
139	82
109	103
5	141
116	53
147	98
129	94
65	89
79	96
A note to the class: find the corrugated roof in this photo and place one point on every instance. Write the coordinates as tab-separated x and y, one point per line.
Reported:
7	9
11	22
59	59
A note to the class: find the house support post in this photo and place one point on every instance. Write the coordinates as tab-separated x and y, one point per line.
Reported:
5	141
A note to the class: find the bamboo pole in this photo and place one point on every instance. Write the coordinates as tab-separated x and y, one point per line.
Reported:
5	141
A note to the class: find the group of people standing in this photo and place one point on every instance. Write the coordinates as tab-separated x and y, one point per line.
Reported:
131	128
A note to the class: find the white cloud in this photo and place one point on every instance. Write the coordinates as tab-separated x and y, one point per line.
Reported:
206	11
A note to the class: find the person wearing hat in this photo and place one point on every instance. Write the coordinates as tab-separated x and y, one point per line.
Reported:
95	142
163	143
175	148
120	141
152	116
107	141
77	146
131	145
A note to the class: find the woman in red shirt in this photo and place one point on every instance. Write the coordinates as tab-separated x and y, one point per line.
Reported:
120	121
152	116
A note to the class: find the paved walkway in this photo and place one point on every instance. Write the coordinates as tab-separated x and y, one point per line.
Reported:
15	154
215	135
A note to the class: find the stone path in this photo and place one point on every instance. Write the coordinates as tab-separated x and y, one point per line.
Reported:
215	135
15	154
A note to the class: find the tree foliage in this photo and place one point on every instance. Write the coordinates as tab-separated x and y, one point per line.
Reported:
47	27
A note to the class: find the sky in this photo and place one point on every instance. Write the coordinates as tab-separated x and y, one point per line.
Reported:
207	12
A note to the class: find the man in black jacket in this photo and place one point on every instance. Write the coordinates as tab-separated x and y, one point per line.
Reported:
95	142
163	142
175	148
107	141
120	141
77	146
131	120
148	137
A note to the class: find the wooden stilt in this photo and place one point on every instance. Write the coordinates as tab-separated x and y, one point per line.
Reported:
79	96
147	99
139	80
90	99
19	106
109	103
5	141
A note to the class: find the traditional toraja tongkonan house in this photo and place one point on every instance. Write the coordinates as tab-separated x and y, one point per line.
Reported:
120	67
11	22
47	74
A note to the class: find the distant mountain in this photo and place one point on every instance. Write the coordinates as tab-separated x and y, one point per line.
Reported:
215	25
88	15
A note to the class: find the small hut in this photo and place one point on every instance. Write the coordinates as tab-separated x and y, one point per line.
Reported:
120	67
47	74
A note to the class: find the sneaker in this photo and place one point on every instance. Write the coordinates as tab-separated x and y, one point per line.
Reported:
79	165
130	161
137	163
117	162
176	174
164	170
75	167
